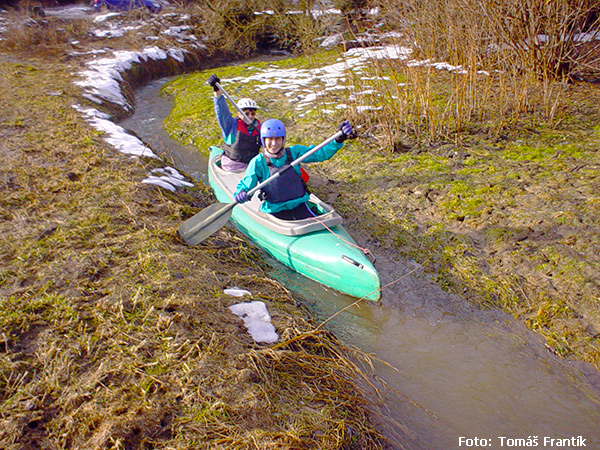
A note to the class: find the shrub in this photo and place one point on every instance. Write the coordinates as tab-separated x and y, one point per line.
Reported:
244	27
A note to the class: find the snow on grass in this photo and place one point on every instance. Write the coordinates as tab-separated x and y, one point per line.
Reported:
257	320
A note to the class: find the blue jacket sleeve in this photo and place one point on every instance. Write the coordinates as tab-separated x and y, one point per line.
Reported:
322	154
256	172
227	122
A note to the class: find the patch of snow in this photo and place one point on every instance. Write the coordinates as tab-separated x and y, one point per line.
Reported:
368	108
103	17
237	292
332	41
115	135
316	13
257	320
115	30
391	35
167	177
104	75
159	182
586	37
69	12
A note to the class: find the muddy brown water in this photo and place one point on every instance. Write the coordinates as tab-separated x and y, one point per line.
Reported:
451	376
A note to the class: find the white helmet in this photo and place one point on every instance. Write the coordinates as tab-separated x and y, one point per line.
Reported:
247	103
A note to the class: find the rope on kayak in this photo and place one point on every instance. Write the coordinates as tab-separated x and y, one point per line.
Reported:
318	328
366	251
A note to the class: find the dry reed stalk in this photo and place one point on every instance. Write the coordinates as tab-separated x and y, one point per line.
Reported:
527	48
313	358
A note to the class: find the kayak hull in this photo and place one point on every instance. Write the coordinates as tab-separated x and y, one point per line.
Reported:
320	248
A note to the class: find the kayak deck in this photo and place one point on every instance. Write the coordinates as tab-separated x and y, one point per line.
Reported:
228	181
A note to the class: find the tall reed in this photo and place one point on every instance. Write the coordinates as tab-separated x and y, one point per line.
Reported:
510	59
244	27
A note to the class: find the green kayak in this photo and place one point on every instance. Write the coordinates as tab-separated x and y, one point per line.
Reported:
319	248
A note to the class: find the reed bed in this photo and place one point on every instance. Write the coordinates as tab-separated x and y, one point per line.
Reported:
510	63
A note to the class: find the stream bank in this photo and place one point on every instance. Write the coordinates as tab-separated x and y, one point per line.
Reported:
113	333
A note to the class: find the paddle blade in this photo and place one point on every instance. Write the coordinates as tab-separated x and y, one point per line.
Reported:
206	222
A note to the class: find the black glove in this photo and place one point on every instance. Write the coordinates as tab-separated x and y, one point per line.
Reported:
213	80
345	128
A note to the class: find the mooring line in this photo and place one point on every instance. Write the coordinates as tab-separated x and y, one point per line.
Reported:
363	298
315	330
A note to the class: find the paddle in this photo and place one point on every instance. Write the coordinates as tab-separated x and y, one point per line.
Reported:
212	218
245	118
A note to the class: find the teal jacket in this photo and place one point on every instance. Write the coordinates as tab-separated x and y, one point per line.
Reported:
258	171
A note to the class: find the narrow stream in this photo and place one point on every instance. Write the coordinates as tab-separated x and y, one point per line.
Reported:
456	376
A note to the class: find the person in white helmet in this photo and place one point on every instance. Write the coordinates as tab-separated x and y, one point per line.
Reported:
241	141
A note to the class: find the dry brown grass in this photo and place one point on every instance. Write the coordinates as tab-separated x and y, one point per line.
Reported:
233	27
113	333
49	36
529	36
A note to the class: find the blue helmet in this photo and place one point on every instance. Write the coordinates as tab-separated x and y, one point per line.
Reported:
271	128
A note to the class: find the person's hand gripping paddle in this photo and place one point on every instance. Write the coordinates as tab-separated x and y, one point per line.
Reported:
214	217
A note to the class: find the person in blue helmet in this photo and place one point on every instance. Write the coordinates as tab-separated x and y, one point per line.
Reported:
241	140
286	196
